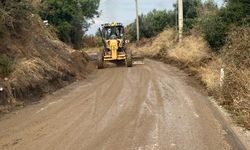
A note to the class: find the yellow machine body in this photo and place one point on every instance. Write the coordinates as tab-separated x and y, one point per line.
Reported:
113	38
113	45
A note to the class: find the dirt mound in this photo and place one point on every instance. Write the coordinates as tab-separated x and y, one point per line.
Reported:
40	63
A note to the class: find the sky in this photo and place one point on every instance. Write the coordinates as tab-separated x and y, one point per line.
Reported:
124	10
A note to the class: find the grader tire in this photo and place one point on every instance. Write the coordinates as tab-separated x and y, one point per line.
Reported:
100	60
129	61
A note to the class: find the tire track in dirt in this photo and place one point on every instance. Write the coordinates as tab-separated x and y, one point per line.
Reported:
150	106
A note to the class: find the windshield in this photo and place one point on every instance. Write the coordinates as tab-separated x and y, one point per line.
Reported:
113	32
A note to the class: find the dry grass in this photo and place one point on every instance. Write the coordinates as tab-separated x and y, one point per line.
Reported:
210	74
31	71
35	3
236	59
236	87
152	48
41	63
194	56
191	50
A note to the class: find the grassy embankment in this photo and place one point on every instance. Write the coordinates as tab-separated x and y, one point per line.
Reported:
194	56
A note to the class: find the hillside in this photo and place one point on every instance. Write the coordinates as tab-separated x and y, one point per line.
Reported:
32	59
195	57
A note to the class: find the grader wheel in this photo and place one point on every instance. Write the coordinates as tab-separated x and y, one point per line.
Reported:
100	60
129	61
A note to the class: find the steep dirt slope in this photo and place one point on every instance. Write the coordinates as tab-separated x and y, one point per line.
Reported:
40	62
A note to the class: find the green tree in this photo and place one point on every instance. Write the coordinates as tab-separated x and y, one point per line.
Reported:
191	12
69	17
236	12
155	21
215	26
5	65
214	30
152	23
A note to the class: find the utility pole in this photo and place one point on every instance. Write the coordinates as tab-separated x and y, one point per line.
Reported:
137	22
176	16
180	16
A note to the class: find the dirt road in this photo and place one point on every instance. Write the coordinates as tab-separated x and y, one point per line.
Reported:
147	107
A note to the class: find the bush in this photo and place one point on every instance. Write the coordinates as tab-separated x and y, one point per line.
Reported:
214	31
236	86
190	13
155	21
92	41
1	32
152	24
64	30
14	15
236	12
215	26
69	17
5	65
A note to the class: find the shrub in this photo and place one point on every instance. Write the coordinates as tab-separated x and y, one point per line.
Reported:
191	13
236	59
215	26
5	65
151	24
214	31
69	17
155	21
236	12
236	87
14	15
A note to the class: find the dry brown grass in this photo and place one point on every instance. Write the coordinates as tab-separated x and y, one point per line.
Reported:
236	87
41	63
192	50
210	74
196	58
31	71
35	2
152	48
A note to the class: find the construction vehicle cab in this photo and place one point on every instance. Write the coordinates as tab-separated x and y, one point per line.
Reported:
114	45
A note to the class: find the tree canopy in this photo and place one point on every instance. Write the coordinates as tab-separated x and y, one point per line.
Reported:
152	23
70	17
215	26
156	20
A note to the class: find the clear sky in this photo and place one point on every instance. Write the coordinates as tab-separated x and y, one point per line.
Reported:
124	10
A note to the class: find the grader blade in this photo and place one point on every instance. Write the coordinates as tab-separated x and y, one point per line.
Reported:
138	60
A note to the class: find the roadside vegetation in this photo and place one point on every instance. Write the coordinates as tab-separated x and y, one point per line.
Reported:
216	39
33	60
5	65
70	18
156	21
152	24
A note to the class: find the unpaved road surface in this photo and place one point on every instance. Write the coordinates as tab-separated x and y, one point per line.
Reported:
148	107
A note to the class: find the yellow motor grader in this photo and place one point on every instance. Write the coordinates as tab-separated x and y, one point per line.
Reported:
114	45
